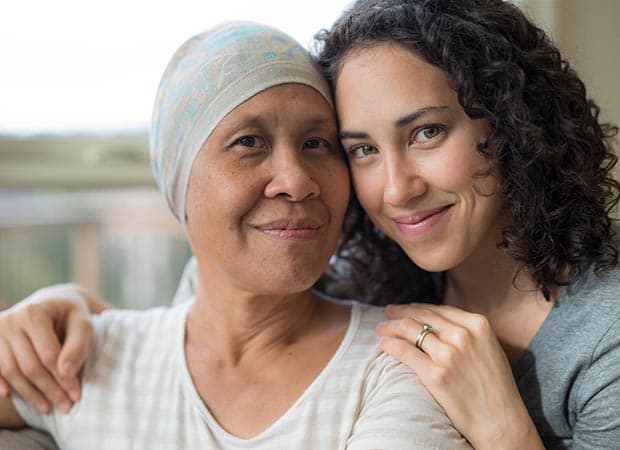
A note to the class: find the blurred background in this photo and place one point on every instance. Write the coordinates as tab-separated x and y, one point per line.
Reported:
77	198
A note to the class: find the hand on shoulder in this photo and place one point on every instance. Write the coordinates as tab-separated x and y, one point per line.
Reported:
44	341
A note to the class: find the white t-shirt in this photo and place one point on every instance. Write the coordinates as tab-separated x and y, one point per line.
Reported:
138	394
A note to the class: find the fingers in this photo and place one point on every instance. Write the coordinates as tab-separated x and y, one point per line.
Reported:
405	352
43	337
12	375
4	388
422	311
408	330
35	355
76	345
74	353
37	374
32	359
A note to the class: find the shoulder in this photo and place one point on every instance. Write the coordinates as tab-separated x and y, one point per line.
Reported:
590	306
369	317
127	326
596	336
125	343
396	410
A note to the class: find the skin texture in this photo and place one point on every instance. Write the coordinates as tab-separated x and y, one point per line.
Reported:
418	174
271	210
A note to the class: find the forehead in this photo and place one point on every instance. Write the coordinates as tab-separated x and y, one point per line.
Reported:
388	73
290	105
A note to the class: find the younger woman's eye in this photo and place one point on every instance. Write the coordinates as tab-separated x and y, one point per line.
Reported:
427	134
361	151
251	141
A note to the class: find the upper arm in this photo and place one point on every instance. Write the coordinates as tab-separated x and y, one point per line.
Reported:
597	422
397	412
9	417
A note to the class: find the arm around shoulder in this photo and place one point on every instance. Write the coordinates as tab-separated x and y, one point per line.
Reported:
399	413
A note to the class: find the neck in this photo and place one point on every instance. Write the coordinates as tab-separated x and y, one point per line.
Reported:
487	283
488	279
492	283
230	324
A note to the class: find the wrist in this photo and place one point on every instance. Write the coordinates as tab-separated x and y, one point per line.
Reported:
518	432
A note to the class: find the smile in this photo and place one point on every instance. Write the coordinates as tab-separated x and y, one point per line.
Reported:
422	222
291	229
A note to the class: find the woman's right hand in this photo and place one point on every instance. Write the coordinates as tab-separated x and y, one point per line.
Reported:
464	367
44	341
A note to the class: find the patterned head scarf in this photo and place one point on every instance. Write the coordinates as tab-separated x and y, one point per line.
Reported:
209	76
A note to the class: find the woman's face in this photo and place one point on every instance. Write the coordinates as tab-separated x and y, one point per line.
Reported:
413	157
268	193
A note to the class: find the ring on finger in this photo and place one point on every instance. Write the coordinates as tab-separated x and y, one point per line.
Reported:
426	328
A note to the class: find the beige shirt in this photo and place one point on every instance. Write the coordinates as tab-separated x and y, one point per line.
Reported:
138	394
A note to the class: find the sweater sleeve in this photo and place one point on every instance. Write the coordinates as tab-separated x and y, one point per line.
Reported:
597	421
398	413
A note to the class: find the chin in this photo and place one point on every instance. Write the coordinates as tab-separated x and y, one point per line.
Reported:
433	260
288	283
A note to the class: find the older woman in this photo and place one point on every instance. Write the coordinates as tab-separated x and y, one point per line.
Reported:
244	147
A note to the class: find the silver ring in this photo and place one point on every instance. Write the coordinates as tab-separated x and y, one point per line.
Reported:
425	330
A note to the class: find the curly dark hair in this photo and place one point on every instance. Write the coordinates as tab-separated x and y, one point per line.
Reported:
553	155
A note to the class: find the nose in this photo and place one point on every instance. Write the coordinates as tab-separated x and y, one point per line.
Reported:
292	176
402	181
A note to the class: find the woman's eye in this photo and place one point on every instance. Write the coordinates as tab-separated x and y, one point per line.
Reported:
316	143
251	141
427	134
362	151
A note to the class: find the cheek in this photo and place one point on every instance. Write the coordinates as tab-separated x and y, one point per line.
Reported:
336	190
457	170
367	188
219	198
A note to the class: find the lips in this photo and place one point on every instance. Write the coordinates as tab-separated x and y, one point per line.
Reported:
291	229
418	224
419	216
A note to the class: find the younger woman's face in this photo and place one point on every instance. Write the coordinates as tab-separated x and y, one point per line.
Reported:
413	157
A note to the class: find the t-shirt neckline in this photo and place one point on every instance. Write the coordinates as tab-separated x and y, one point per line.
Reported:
315	385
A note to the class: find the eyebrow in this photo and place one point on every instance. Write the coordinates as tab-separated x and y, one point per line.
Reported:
398	123
417	114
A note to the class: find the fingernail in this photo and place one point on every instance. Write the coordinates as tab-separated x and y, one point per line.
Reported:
42	408
65	407
3	391
74	394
